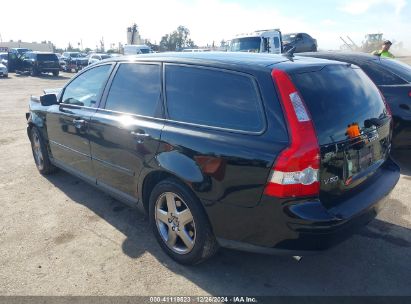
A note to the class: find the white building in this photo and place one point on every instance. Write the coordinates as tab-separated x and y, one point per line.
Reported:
40	47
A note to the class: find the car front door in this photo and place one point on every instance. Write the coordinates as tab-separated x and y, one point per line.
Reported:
125	131
67	122
299	43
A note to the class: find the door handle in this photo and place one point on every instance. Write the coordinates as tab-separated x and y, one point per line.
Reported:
140	136
79	123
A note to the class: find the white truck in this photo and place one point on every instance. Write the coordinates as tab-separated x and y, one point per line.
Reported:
134	49
262	41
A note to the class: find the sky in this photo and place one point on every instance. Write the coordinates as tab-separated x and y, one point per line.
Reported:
212	20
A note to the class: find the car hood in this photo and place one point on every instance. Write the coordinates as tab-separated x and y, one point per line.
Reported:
55	91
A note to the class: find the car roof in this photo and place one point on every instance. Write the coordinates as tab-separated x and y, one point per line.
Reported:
258	60
353	57
37	52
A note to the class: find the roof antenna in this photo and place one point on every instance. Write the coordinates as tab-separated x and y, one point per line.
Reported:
290	53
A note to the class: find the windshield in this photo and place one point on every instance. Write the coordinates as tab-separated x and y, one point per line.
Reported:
399	68
74	55
246	44
145	51
21	51
289	37
4	56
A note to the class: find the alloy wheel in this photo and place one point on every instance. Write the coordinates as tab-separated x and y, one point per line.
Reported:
38	155
175	223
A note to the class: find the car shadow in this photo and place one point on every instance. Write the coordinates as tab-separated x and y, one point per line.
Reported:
42	76
375	261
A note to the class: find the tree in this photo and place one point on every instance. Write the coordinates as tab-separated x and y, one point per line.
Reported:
177	40
152	46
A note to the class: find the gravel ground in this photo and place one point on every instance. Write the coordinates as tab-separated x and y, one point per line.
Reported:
60	236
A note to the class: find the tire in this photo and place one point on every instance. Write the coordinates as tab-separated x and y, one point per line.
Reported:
33	71
40	153
313	48
56	73
196	230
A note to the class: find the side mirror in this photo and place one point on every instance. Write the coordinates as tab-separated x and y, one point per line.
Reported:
48	100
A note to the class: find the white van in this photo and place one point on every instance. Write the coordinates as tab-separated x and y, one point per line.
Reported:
132	49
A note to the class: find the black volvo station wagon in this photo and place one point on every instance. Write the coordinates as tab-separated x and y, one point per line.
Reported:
256	152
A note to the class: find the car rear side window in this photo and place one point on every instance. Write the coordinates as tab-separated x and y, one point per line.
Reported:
379	74
213	98
136	89
397	67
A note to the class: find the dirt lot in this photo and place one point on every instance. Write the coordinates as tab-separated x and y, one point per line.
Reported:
60	236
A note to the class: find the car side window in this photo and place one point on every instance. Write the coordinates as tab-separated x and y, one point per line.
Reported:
87	87
380	75
276	42
214	98
136	89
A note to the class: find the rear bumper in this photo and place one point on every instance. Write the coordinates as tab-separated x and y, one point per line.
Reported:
49	70
306	226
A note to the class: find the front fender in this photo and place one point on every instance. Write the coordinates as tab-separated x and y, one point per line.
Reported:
35	120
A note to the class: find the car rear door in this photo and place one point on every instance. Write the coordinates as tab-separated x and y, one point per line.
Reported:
68	122
125	131
217	136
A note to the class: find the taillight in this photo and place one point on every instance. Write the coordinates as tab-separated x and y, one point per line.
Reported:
409	93
295	172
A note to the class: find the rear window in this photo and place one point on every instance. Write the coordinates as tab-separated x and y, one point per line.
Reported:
213	98
338	97
397	67
46	57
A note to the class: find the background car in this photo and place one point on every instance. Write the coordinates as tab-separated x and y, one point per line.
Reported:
3	71
254	156
301	41
73	61
94	58
393	78
40	62
4	58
